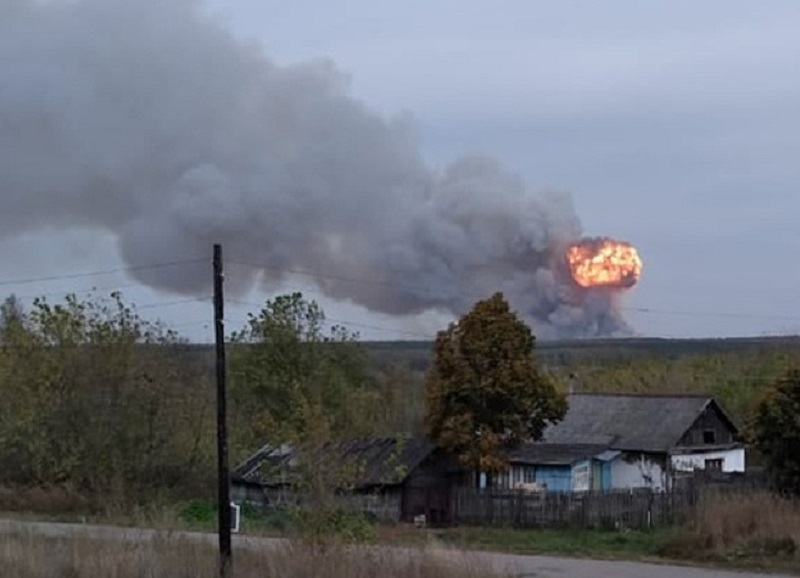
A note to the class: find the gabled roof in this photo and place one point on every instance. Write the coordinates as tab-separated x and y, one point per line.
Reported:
653	423
250	469
372	461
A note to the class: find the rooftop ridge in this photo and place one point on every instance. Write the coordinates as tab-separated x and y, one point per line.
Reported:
643	394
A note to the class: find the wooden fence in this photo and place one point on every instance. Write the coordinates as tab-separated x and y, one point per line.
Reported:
635	509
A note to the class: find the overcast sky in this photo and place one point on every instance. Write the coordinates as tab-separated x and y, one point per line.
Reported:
674	125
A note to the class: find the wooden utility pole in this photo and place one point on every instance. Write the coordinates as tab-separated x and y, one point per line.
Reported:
223	475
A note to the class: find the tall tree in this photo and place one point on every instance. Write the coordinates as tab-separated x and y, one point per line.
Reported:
287	371
776	431
485	390
295	384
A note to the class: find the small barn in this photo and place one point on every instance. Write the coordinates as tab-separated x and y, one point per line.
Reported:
391	479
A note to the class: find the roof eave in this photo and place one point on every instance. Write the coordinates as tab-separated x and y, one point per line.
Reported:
683	450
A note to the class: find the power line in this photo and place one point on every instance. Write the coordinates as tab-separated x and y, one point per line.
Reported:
430	290
157	304
100	272
78	291
394	330
332	321
320	275
650	310
427	336
335	277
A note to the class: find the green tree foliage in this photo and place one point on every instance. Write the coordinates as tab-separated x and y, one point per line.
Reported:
486	392
91	395
402	411
776	431
292	379
297	385
12	319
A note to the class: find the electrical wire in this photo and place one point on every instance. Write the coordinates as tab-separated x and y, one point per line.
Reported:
100	272
308	290
418	288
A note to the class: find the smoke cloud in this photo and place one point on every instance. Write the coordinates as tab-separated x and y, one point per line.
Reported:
150	120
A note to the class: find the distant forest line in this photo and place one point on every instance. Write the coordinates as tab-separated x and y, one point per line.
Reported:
561	354
734	370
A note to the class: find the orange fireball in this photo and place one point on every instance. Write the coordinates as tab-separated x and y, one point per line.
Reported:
604	263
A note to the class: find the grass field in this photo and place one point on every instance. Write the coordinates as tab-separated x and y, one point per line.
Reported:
27	555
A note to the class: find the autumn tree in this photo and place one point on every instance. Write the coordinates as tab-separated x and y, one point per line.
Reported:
93	396
776	431
485	390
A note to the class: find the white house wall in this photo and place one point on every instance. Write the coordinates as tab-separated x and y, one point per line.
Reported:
637	471
732	460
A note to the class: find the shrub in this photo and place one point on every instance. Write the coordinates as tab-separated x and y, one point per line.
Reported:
334	524
51	500
737	525
199	512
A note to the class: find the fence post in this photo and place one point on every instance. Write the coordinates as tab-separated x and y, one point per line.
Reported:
584	500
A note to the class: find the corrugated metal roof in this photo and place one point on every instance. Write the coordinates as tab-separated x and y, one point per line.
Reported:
364	461
652	423
546	454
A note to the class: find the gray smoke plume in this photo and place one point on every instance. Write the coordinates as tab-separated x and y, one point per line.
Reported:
151	120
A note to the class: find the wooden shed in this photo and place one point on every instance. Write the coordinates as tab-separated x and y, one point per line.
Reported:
391	478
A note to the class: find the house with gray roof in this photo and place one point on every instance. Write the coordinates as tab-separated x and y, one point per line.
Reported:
390	478
605	442
627	441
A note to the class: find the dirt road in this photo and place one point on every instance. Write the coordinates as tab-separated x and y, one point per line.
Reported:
520	566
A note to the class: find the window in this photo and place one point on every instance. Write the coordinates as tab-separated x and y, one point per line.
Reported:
709	436
581	478
715	465
529	475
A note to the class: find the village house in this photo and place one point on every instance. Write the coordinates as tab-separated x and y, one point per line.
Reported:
605	442
627	441
392	479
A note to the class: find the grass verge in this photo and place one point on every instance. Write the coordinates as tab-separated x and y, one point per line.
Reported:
578	543
27	555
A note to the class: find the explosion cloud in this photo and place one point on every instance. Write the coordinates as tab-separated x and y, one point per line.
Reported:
150	120
604	263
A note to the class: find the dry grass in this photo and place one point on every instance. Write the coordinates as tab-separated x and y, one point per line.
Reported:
28	555
746	526
51	500
65	504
